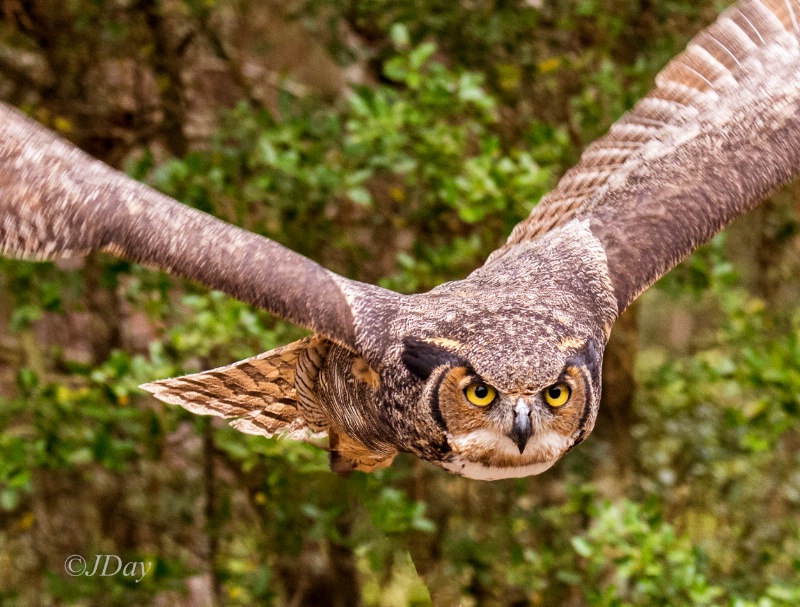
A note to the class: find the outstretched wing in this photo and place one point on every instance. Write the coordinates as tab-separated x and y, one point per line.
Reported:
56	201
720	131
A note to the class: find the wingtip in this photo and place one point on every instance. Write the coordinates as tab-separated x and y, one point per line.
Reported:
159	390
150	387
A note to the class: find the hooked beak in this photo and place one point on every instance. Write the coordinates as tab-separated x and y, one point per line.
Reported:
522	429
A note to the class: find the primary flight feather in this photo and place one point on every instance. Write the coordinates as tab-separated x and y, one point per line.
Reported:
493	376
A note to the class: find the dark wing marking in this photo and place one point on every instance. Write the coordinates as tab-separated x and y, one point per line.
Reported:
56	201
675	170
262	395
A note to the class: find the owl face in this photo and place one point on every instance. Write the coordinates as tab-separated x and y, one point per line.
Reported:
498	375
496	429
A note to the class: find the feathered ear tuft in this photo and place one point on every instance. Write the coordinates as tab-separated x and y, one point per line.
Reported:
260	394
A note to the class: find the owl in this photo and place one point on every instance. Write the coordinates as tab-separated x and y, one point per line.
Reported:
493	376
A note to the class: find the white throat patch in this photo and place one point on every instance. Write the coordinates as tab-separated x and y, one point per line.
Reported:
549	445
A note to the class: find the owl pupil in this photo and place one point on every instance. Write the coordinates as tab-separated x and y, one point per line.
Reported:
481	391
554	392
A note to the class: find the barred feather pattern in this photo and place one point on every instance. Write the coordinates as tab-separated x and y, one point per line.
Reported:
260	394
714	65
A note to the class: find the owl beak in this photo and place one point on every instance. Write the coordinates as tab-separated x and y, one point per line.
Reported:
522	429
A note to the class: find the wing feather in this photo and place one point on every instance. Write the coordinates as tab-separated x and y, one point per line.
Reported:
712	66
260	395
720	130
56	201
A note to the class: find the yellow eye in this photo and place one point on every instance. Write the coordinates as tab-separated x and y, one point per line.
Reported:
480	395
557	395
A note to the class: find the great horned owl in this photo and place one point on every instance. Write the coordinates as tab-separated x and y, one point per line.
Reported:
493	376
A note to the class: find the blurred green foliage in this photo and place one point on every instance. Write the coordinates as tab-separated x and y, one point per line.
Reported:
467	114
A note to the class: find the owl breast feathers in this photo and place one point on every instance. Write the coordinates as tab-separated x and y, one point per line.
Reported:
494	376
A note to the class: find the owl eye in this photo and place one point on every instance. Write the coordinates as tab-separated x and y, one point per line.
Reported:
480	395
557	395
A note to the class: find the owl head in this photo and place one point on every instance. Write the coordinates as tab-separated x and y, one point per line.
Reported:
506	364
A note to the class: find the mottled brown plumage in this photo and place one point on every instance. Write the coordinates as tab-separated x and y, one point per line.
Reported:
493	376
